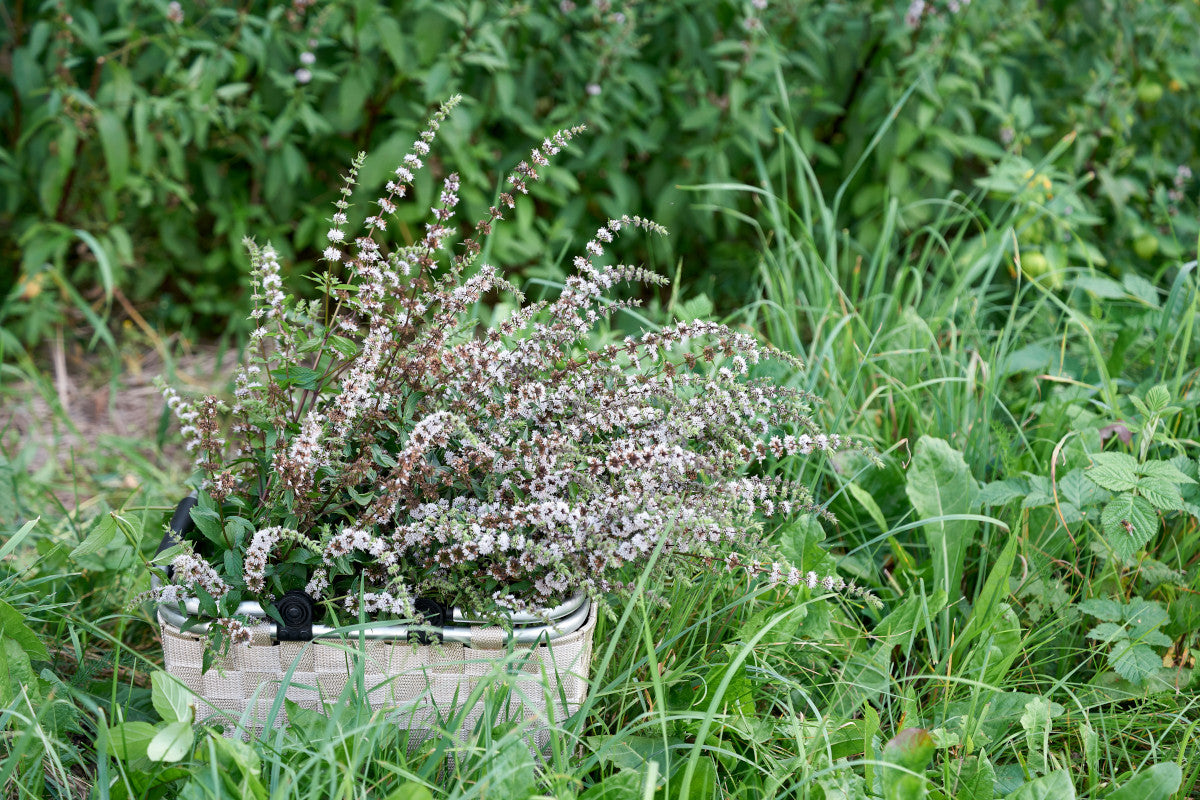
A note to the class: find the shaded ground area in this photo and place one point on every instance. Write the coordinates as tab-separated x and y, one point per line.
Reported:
76	423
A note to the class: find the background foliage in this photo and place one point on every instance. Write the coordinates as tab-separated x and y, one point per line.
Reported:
140	144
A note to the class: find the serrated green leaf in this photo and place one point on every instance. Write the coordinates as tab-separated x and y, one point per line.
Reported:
1157	782
1158	398
1116	472
1128	522
1161	493
298	377
1144	615
1108	610
208	522
171	743
1040	493
1076	488
1155	639
128	740
1107	632
1165	470
173	701
998	493
102	535
1133	662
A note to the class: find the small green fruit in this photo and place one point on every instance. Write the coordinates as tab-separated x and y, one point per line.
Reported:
1034	264
1149	92
1146	246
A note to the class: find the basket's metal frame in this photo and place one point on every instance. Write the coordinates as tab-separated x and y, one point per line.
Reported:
559	621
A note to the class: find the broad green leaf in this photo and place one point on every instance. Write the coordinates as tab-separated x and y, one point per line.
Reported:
910	750
704	781
128	740
1164	470
1116	472
1133	662
1158	398
1108	610
510	770
1041	492
1161	493
1154	639
1037	722
976	778
632	752
1107	632
625	784
1075	488
241	754
16	673
1055	786
411	791
998	493
1158	782
12	625
1128	522
208	522
173	701
800	543
298	377
939	484
102	535
1143	616
171	743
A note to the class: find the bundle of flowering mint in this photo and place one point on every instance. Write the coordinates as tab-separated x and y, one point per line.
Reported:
383	445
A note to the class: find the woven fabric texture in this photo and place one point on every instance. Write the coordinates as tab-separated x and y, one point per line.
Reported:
424	684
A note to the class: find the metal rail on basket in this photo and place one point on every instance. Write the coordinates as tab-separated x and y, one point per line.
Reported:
564	619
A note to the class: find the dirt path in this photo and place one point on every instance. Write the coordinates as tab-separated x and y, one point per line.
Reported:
79	425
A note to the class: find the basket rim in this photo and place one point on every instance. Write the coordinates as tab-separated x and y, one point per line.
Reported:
562	620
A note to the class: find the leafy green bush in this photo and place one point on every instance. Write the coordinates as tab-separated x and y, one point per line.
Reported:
140	143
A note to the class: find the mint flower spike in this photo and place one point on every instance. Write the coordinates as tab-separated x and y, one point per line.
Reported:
385	444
